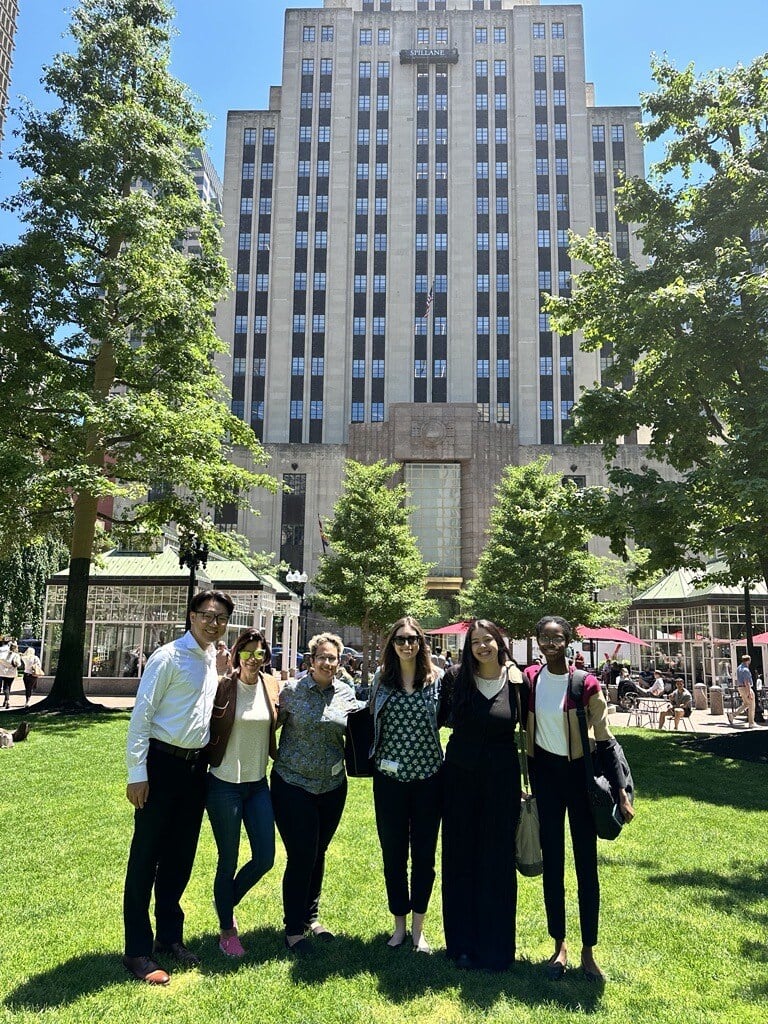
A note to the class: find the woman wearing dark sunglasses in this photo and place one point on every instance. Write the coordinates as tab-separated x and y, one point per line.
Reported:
242	739
407	775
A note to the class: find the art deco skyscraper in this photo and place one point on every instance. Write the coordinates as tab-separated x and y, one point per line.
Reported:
391	222
9	10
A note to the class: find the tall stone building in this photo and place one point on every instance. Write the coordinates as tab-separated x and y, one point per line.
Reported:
9	10
391	222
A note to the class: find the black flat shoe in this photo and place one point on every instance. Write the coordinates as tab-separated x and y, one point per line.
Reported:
323	935
300	948
554	970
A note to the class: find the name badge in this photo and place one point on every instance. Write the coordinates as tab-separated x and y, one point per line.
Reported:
390	767
337	767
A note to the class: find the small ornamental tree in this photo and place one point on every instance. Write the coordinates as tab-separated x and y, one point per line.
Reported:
106	331
535	562
373	573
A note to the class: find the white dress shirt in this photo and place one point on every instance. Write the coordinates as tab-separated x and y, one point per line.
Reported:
174	701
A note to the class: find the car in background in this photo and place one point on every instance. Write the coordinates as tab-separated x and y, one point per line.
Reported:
352	653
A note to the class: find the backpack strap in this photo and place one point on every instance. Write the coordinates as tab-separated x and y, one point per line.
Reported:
576	693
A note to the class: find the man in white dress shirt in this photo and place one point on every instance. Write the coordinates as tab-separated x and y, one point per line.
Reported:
166	785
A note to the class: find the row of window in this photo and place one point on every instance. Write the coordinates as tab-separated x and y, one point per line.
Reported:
598	133
267	136
315	409
540	63
382	69
358	412
484	412
499	69
441	34
308	66
326	33
382	36
547	410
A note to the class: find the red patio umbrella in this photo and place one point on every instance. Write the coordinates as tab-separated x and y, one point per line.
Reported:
453	628
610	635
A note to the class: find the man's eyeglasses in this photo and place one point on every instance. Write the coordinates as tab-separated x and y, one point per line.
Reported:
401	641
258	655
213	619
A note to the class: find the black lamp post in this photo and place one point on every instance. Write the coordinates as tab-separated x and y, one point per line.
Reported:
192	554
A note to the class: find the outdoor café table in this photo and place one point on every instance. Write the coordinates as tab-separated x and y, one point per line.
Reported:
644	711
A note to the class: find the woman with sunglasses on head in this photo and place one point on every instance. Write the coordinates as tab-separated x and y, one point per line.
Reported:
309	784
407	775
242	739
557	771
482	802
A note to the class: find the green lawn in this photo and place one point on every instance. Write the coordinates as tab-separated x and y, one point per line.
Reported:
684	918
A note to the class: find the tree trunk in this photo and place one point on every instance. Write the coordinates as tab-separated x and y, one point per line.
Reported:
67	693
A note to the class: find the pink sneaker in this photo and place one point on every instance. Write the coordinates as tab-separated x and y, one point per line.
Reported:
231	946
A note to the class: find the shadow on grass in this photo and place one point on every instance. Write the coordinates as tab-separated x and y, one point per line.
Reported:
666	766
399	975
740	891
55	723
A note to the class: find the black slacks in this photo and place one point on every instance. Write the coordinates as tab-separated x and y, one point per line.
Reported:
165	835
307	823
408	820
560	787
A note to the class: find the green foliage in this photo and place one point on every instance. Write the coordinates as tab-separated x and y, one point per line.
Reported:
24	572
535	562
671	904
107	334
373	572
688	329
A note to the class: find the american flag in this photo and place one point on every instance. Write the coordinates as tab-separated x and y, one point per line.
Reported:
429	301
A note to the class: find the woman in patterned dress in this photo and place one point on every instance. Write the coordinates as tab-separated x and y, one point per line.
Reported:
407	777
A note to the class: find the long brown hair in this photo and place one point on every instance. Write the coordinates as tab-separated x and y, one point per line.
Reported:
465	677
390	663
250	636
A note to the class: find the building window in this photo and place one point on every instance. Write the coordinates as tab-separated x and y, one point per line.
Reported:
545	366
422	36
307	66
440	368
420	368
244	241
484	412
358	412
558	97
326	33
259	366
546	410
326	66
297	409
383	35
366	36
265	205
561	165
364	69
481	35
499	35
617	133
382	69
558	30
297	366
358	369
598	133
315	410
558	63
560	131
377	412
500	68
377	368
318	323
539	31
308	35
241	324
248	171
441	36
483	368
502	368
542	201
246	205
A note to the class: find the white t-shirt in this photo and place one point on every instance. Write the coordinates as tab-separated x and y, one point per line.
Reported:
245	759
551	731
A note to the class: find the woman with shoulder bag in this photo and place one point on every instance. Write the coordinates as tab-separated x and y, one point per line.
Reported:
33	669
242	739
407	776
559	783
482	802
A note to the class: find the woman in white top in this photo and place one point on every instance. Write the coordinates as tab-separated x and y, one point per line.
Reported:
242	738
557	771
33	669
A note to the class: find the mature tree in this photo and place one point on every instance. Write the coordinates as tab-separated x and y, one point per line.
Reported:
373	572
107	336
688	330
535	562
24	573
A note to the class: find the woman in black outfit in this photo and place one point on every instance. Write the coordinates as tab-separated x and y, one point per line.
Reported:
482	802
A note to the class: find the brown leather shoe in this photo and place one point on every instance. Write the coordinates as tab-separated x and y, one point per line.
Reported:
144	968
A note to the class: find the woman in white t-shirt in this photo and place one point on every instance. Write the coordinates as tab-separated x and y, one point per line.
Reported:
555	750
242	739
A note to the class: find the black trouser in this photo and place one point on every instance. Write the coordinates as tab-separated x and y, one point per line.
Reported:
306	823
408	819
165	835
560	787
7	682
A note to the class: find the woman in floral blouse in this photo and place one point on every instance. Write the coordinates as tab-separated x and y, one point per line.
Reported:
407	775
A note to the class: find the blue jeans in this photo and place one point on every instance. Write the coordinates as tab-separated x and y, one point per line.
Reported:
229	804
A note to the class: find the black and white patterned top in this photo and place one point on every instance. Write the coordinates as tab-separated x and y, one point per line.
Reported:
408	749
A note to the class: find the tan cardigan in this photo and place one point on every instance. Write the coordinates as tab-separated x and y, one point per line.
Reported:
597	717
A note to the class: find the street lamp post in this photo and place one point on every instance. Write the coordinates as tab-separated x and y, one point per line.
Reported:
192	554
298	579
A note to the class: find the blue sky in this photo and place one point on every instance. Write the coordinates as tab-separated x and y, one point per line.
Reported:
229	52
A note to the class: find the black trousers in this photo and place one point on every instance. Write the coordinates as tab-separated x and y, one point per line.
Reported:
165	835
481	812
408	821
560	788
307	823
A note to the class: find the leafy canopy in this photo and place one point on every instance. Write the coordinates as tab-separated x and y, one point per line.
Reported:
687	329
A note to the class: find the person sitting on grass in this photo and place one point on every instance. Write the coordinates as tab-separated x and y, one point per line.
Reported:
8	738
679	704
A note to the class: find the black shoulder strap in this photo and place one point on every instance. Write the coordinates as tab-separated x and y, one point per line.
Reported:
576	691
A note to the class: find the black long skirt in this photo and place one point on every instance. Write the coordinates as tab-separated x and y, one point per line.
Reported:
479	883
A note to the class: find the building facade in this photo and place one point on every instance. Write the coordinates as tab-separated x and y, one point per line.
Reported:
392	221
9	10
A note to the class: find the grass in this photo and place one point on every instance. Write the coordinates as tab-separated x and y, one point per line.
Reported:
683	926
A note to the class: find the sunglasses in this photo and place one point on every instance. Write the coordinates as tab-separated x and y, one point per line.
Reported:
258	655
401	641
